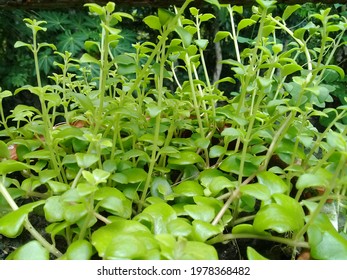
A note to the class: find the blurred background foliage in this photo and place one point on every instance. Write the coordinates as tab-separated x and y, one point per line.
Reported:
69	29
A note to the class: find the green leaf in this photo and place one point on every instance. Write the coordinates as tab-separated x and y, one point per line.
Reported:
20	44
153	109
167	150
79	250
153	22
147	137
46	175
179	227
201	43
84	101
254	255
32	250
291	68
168	245
135	175
86	160
74	212
237	9
221	35
337	141
289	10
273	182
203	230
220	183
189	189
244	228
232	164
320	178
204	213
186	158
11	225
114	201
120	178
266	4
231	132
87	58
202	143
336	68
325	242
206	17
185	35
40	154
194	250
214	2
206	176
160	187
165	16
9	166
100	176
161	214
283	216
256	190
245	23
217	151
95	8
124	239
4	151
54	209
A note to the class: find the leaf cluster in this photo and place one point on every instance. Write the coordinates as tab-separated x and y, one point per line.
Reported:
124	167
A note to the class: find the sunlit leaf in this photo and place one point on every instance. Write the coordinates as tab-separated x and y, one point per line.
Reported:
53	209
186	158
203	230
189	188
161	214
79	250
185	36
160	187
11	225
153	22
273	182
256	190
252	254
86	160
10	166
123	239
283	216
325	242
289	10
245	23
179	227
200	212
32	250
221	35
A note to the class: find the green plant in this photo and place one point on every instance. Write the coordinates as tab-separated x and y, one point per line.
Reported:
142	170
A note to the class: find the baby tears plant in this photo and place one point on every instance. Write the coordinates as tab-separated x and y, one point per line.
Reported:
140	155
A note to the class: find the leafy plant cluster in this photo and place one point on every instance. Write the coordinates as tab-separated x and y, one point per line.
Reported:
137	170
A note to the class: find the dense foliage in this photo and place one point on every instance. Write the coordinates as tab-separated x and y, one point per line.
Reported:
137	153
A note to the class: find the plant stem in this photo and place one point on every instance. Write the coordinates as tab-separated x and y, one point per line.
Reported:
51	248
157	125
156	50
226	237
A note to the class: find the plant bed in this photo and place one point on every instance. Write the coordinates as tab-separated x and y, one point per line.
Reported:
141	156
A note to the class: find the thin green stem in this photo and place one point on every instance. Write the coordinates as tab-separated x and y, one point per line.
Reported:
227	237
160	97
27	224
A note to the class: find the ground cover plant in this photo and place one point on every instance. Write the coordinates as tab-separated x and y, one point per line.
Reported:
139	155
